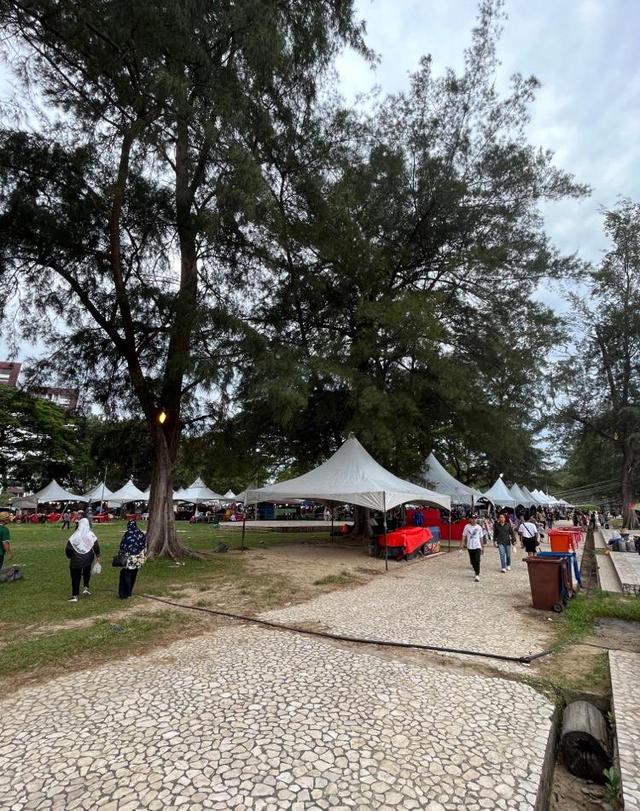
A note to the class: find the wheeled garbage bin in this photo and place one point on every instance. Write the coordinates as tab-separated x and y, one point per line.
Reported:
545	578
572	563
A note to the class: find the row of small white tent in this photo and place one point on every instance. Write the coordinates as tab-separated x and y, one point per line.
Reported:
196	493
440	479
350	476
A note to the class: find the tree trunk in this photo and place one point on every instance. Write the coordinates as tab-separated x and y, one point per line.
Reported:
162	538
629	517
360	528
585	741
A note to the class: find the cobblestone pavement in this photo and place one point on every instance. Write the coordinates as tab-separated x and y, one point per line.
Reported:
437	602
246	718
626	699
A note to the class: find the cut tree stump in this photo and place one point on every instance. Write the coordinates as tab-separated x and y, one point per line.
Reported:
584	741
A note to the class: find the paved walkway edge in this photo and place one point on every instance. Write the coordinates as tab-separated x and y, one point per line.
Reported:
549	764
608	579
625	691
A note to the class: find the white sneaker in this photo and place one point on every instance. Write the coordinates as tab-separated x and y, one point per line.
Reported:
503	571
508	568
477	577
85	590
72	600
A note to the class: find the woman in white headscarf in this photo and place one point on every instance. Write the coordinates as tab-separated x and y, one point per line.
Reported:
82	548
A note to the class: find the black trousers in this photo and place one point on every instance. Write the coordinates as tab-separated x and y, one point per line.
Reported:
474	557
76	574
127	582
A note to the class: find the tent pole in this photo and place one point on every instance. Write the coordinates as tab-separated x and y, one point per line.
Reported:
104	482
386	544
244	524
331	538
450	517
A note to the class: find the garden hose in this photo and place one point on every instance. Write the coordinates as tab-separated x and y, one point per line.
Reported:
522	660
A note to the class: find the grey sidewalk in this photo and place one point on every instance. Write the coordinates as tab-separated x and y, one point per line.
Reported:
253	719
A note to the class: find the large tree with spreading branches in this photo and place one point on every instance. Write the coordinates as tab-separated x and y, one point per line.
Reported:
146	156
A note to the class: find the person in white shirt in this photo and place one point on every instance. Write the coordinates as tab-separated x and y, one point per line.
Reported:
472	540
528	531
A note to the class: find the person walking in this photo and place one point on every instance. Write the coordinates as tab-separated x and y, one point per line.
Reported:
133	545
503	538
472	541
66	519
528	531
82	548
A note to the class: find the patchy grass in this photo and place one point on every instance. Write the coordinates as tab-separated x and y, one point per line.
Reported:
92	644
342	579
42	631
581	613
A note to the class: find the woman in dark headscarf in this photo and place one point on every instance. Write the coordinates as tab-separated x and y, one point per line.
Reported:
133	545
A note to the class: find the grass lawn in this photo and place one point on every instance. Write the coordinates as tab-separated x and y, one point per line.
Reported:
42	631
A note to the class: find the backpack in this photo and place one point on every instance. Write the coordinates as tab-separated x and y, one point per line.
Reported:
10	574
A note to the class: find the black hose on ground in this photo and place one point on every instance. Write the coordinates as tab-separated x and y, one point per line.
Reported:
522	660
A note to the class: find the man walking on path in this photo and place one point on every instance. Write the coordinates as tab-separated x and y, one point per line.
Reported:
472	540
504	536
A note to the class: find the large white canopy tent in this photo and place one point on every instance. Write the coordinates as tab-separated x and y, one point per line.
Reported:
197	493
542	498
520	496
529	494
351	476
500	495
54	492
99	493
127	493
437	477
230	495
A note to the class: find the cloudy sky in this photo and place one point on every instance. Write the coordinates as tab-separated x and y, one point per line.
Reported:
584	52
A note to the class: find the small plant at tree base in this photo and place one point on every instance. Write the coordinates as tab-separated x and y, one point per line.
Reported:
613	785
611	720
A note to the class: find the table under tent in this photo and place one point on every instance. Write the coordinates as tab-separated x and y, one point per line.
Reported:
352	476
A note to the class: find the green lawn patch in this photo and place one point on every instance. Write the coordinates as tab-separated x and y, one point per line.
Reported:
96	642
42	630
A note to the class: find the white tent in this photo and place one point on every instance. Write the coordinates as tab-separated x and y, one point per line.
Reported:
520	496
438	477
230	495
500	495
196	493
534	501
351	476
99	493
541	498
53	492
128	492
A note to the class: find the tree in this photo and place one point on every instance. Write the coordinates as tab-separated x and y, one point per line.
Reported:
403	246
114	213
38	441
605	372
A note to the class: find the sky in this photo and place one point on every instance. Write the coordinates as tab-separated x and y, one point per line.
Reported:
584	52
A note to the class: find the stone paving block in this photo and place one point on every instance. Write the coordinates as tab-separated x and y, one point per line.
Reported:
246	717
625	688
436	602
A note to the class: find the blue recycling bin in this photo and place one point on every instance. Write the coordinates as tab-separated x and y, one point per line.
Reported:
573	562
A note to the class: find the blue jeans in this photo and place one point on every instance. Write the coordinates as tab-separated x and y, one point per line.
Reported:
505	555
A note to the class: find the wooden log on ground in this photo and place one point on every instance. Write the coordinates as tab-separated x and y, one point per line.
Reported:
584	741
